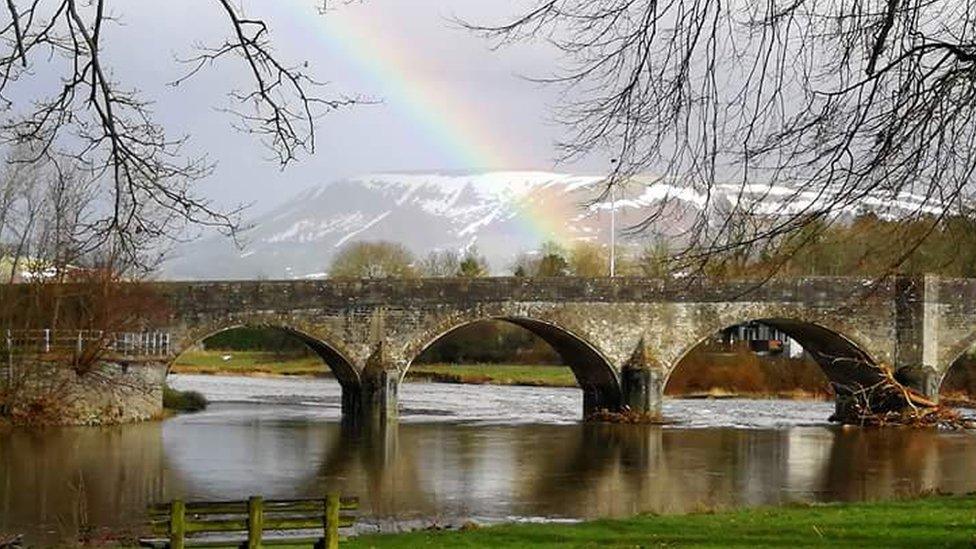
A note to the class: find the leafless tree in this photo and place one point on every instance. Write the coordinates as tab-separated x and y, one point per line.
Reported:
44	217
103	130
793	111
21	206
440	264
377	259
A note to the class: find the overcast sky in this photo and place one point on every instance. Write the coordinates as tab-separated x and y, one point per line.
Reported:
445	99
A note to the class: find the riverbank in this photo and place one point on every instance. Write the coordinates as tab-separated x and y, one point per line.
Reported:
250	363
259	364
494	374
940	521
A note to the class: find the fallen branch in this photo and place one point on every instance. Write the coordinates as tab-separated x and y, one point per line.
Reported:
889	403
627	416
954	401
941	417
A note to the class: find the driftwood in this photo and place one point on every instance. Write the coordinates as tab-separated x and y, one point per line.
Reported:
11	541
626	415
888	402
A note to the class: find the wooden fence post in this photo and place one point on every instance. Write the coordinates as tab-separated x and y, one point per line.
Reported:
332	521
255	521
177	524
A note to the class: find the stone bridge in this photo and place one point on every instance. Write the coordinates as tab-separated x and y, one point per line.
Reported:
622	337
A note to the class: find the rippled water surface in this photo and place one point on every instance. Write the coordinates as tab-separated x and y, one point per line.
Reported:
461	452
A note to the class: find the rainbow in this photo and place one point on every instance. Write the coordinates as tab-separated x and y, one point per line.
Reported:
551	216
458	130
549	220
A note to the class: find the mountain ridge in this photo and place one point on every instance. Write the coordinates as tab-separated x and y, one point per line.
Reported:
497	212
501	213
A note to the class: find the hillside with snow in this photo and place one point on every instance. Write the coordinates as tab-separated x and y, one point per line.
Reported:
502	214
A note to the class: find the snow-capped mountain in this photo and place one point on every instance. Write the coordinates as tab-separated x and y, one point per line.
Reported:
501	213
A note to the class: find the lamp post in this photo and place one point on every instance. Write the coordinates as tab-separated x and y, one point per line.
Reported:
613	224
613	231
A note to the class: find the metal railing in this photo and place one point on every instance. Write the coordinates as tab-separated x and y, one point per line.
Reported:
79	342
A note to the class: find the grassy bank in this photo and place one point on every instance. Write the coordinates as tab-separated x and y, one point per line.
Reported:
929	522
494	374
256	363
247	363
260	363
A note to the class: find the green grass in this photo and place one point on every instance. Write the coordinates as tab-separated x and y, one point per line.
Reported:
260	363
247	362
495	374
930	522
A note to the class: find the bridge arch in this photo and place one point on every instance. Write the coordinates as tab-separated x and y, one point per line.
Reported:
332	355
958	377
594	372
955	351
843	360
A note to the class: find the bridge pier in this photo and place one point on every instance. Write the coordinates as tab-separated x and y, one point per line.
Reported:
643	389
642	382
926	381
916	357
375	402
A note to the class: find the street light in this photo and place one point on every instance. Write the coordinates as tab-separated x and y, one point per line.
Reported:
613	225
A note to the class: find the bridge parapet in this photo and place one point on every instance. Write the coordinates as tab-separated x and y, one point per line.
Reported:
275	294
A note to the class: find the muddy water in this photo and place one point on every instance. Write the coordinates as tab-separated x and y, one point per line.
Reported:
460	453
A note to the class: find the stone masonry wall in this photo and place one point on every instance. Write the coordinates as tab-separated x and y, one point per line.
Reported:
112	393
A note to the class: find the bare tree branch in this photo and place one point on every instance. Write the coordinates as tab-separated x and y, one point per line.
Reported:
775	114
106	131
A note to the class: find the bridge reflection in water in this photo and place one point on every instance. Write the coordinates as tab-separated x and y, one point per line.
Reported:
54	482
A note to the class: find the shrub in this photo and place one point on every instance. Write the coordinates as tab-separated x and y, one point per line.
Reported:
183	401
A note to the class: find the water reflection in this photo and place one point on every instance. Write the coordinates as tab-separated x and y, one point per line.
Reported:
50	481
55	481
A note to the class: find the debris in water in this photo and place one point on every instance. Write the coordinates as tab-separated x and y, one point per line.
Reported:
626	415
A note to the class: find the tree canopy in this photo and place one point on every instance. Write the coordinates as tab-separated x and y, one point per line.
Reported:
373	260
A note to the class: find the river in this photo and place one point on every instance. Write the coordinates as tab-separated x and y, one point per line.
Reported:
459	453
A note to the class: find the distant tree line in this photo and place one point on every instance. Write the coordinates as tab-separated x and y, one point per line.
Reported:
489	342
382	259
865	245
868	246
266	340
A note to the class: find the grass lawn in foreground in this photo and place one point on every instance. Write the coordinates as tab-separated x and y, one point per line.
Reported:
931	522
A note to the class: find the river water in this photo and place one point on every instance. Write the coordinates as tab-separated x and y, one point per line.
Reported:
461	453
